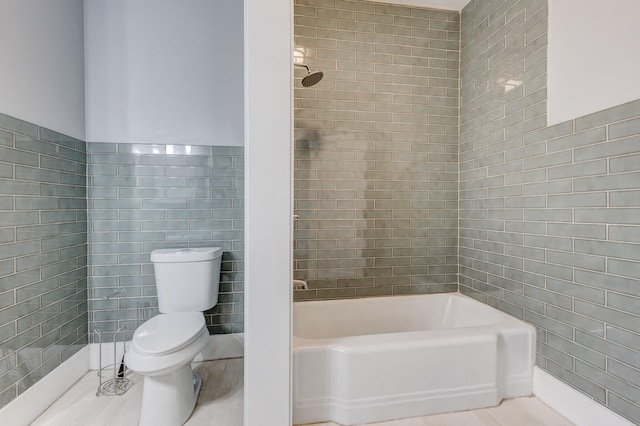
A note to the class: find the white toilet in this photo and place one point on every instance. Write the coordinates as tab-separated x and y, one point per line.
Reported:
162	349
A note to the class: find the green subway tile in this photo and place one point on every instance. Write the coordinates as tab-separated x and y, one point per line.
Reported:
18	126
608	149
610	115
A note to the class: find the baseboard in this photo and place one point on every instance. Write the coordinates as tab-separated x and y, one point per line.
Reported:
24	409
220	346
576	407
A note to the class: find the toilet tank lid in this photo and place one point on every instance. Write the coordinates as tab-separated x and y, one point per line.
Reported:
175	255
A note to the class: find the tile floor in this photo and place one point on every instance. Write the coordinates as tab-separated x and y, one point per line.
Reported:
513	412
221	404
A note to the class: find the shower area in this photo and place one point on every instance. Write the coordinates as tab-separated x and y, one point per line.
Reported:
427	160
376	149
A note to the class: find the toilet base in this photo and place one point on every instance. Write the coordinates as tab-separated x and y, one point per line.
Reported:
169	399
197	384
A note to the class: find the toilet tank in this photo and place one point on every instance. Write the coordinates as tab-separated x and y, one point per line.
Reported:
187	280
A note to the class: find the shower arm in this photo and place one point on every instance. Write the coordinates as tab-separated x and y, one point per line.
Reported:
303	66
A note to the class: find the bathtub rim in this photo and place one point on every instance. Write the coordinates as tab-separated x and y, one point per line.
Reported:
505	324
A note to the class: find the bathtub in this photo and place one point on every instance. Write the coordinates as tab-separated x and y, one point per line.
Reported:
376	359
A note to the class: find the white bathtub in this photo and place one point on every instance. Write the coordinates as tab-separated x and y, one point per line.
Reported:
369	360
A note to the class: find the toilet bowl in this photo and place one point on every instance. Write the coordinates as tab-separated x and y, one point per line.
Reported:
163	348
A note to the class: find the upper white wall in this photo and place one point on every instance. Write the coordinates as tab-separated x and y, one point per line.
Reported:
593	56
41	63
164	71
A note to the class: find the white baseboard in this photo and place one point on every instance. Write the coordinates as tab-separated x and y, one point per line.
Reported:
24	409
220	346
576	407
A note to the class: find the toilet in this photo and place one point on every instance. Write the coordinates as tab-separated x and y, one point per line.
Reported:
162	349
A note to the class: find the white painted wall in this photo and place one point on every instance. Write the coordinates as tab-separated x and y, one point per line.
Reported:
41	63
164	71
268	211
593	56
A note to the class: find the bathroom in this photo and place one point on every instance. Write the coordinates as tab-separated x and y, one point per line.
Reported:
506	273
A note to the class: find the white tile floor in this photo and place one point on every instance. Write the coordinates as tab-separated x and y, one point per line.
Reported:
221	403
513	412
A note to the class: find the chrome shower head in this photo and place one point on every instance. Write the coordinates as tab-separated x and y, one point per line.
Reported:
311	78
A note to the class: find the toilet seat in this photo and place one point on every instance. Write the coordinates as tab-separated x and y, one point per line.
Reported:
172	349
166	333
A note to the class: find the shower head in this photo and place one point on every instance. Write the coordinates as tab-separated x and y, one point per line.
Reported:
311	78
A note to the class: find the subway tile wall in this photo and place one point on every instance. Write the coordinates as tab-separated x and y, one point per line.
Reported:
549	224
143	197
376	149
43	245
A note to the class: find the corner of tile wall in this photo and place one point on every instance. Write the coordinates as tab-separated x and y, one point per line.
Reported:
549	230
43	253
148	196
